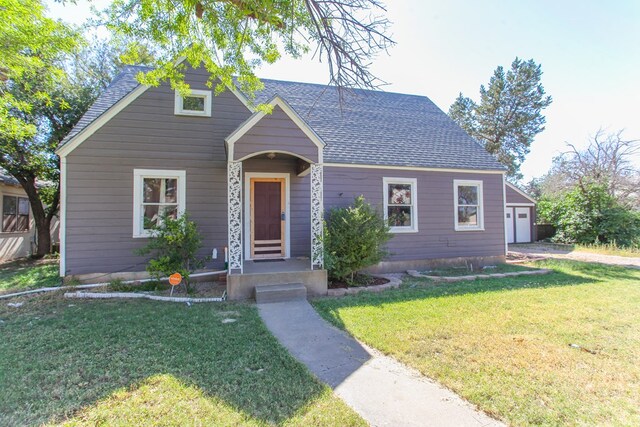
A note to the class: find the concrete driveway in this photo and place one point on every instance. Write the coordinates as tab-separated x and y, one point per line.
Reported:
541	250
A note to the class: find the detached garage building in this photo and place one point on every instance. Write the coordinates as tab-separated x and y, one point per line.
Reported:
519	215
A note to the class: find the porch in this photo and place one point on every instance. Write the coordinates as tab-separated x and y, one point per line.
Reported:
275	204
241	285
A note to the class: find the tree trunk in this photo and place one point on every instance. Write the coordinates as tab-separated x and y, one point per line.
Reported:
44	238
41	218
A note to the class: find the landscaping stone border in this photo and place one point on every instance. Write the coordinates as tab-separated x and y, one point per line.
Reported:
394	282
129	295
415	273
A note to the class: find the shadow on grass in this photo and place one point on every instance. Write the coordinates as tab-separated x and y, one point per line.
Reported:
566	273
27	273
58	356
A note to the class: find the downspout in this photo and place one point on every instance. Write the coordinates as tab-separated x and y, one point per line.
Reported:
504	207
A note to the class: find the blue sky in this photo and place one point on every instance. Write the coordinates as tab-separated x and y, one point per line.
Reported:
589	51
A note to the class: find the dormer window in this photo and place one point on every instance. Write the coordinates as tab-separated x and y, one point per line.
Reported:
197	103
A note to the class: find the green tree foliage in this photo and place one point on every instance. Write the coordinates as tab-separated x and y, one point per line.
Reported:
233	37
608	160
174	246
590	215
48	83
354	239
32	48
509	114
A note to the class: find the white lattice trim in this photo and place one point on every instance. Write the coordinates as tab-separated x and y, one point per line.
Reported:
317	213
234	207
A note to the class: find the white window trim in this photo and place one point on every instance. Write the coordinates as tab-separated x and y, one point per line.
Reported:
180	111
467	182
138	176
414	203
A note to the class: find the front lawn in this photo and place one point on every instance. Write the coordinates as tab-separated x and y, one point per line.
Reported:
465	271
150	363
28	273
506	344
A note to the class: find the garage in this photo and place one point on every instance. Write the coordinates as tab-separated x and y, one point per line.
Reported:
519	215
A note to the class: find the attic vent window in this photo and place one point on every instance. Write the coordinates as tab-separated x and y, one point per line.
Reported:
197	103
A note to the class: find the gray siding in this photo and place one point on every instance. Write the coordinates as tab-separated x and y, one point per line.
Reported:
299	204
436	237
275	132
147	134
514	197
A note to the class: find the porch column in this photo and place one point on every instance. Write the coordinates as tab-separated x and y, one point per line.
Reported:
234	214
317	216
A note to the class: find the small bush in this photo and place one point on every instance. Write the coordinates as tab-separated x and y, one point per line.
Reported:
354	239
174	245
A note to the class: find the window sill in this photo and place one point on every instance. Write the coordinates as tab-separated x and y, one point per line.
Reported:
142	236
469	229
393	230
192	113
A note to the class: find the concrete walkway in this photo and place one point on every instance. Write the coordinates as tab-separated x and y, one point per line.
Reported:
383	391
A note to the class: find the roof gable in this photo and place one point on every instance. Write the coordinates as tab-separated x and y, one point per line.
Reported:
256	117
122	91
519	192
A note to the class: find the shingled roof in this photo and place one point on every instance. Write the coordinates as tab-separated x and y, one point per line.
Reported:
368	127
381	128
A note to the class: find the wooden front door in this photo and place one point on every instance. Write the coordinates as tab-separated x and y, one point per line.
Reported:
267	217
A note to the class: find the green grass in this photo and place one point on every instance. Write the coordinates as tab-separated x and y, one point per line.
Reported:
27	273
143	363
464	271
504	344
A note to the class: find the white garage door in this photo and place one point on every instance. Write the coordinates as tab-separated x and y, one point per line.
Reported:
523	225
508	219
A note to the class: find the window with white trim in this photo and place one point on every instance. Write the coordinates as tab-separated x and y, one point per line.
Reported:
156	193
469	213
400	204
197	103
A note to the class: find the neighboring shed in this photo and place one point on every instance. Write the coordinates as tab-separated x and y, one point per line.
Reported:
520	215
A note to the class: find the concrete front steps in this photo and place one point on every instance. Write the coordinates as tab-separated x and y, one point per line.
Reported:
242	286
280	293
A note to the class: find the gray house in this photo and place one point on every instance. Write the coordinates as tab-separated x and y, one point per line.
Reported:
257	185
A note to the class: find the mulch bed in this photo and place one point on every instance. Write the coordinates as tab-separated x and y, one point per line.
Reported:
361	281
198	289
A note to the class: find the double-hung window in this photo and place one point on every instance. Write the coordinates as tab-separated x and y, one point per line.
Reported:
468	205
156	193
400	204
197	103
15	214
